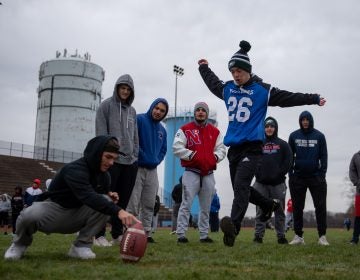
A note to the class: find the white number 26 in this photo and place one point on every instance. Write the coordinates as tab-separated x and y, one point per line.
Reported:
239	110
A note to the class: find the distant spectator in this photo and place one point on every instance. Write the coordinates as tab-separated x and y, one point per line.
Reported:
17	205
289	215
347	223
214	213
4	212
32	192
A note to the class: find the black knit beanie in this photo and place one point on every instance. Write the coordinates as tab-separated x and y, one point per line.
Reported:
241	59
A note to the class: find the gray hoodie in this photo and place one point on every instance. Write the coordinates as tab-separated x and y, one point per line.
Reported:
119	120
354	171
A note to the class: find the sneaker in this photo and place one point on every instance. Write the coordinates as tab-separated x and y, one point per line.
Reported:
258	239
322	241
14	252
282	240
116	241
297	240
206	240
81	253
266	215
102	242
150	239
353	242
182	239
173	232
228	229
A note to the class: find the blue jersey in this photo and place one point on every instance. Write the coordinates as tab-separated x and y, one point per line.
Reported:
247	107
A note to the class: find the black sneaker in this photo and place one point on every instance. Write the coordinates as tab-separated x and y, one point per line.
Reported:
183	240
258	239
266	215
282	240
228	229
206	240
150	239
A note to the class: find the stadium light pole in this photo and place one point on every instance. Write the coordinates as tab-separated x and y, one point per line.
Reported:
178	71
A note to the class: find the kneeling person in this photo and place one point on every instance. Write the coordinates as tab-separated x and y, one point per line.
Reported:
78	200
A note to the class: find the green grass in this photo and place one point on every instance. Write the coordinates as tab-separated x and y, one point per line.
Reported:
47	259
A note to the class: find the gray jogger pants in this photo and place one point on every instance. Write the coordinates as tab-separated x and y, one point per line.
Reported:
50	217
205	192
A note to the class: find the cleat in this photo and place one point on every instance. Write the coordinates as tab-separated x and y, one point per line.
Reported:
228	229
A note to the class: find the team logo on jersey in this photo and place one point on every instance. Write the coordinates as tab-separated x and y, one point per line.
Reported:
161	135
242	91
271	148
193	137
306	142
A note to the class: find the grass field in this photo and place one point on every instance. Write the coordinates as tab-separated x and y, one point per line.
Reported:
47	259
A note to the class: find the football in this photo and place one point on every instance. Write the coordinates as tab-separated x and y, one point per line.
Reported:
133	244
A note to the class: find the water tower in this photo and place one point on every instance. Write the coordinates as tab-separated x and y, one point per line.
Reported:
69	94
173	169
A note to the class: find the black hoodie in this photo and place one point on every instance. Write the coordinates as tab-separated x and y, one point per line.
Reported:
81	181
309	150
276	160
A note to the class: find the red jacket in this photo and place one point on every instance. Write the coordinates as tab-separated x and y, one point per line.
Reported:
199	147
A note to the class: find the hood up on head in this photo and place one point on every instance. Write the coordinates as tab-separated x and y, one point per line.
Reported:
155	102
307	115
94	150
272	121
125	80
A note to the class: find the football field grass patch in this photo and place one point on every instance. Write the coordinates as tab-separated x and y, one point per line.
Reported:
47	259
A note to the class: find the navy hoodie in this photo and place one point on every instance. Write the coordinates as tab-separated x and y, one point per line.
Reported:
152	137
276	159
81	182
309	150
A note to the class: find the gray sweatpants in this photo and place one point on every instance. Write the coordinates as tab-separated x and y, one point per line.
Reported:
142	200
191	188
269	191
50	217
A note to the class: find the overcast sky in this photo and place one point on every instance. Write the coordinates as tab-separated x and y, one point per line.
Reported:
304	46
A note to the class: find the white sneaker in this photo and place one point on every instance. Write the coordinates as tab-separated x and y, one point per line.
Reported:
173	232
116	241
323	241
297	240
15	252
81	253
102	242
